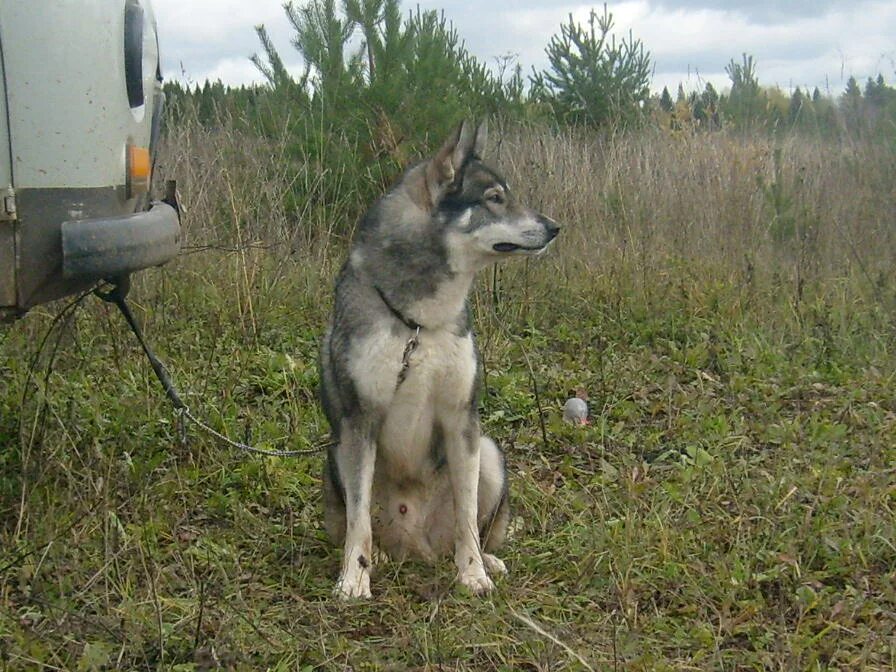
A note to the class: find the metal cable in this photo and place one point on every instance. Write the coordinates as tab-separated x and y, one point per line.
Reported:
117	296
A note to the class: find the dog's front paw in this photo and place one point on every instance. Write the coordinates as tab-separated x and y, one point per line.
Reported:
352	586
477	582
493	564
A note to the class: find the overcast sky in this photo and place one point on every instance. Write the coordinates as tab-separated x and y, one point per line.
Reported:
804	43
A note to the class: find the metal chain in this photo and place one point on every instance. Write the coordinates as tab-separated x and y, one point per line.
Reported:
184	413
409	348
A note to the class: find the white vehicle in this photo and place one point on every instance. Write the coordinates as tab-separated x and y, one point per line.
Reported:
80	107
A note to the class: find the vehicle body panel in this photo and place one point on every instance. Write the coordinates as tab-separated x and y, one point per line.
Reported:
63	146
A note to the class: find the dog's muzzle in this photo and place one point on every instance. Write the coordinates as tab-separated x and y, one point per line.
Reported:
550	229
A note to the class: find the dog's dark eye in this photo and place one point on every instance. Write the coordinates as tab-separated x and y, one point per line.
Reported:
496	197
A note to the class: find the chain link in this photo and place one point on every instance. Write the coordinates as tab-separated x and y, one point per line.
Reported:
409	348
184	413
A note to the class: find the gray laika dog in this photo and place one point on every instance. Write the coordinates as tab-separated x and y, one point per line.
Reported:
409	473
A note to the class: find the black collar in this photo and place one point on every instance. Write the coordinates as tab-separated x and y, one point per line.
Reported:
409	323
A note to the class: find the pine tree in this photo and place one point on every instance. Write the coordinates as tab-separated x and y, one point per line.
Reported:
682	116
851	105
710	100
592	79
387	94
710	96
666	103
271	66
796	106
746	102
366	15
698	109
877	93
322	36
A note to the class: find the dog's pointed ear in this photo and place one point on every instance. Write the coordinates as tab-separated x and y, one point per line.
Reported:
444	166
481	140
466	141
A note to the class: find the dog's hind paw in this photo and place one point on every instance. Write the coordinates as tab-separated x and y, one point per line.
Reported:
353	587
493	564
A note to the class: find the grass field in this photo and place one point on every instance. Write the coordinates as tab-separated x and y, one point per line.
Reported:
729	303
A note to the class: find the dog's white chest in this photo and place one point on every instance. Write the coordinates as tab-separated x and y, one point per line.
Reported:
437	386
443	364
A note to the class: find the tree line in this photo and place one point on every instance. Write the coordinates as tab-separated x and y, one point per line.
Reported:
749	106
380	86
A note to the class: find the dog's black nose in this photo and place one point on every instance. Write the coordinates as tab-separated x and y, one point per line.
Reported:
550	226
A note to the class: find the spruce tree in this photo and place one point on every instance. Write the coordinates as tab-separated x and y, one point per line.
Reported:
666	103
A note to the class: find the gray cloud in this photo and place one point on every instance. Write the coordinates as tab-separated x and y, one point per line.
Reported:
764	11
800	42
